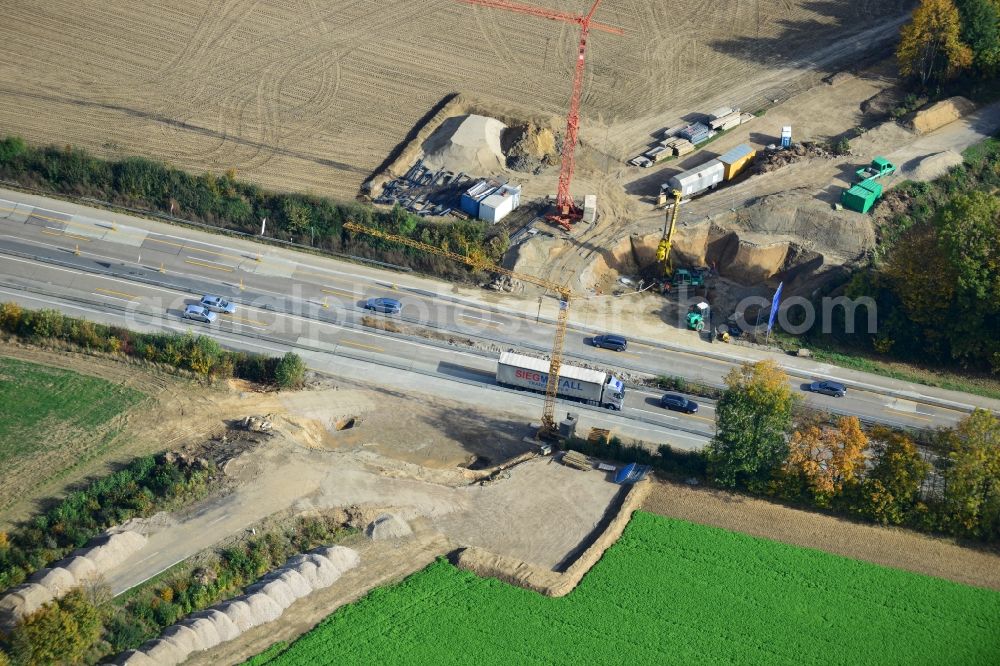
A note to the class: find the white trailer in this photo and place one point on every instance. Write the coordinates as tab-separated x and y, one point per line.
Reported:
698	179
582	384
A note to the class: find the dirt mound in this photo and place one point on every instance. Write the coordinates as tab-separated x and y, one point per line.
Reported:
106	552
530	148
264	602
469	143
932	166
388	526
772	160
942	113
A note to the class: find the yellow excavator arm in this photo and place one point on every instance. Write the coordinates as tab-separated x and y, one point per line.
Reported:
666	243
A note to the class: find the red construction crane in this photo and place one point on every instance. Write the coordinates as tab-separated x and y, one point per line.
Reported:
567	211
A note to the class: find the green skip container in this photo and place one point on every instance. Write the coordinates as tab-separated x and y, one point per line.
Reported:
861	197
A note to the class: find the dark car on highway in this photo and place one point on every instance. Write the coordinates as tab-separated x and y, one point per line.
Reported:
610	341
836	389
386	305
678	403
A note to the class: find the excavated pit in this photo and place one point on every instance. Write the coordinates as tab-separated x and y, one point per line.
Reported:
772	240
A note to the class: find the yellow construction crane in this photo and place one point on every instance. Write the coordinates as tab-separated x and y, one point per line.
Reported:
666	243
479	262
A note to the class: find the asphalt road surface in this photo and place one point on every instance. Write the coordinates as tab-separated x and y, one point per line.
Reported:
131	271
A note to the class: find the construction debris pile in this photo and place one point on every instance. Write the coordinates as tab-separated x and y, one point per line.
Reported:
265	601
772	160
530	148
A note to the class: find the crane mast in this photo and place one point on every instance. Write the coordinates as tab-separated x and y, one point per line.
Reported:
479	262
567	212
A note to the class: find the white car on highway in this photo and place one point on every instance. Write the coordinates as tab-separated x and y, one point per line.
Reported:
199	313
217	304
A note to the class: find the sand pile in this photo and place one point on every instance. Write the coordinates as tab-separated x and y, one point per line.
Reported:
108	551
468	143
942	113
264	602
932	166
388	526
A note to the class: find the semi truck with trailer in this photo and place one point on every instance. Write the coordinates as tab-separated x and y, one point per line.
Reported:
593	387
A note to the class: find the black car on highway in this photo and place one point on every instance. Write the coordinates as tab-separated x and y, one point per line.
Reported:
678	403
836	389
610	341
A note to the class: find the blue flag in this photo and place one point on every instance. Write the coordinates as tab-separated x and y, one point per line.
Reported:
774	306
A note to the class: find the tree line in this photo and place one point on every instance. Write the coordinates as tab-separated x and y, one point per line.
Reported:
950	484
948	40
767	445
199	354
229	203
934	275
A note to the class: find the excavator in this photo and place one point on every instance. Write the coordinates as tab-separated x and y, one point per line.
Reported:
666	243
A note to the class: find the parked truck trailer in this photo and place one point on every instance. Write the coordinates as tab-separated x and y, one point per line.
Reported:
582	384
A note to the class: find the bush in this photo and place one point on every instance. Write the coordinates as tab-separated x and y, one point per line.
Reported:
290	371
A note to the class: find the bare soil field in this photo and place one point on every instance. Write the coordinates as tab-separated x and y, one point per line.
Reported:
313	96
890	547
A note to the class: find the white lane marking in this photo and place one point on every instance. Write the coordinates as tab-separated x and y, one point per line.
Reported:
660	414
214	521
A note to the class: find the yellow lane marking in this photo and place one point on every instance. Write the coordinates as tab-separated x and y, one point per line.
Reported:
358	344
116	293
702	418
335	291
73	236
245	320
192	248
195	262
913	414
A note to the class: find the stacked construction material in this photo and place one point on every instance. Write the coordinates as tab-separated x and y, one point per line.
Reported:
264	602
106	552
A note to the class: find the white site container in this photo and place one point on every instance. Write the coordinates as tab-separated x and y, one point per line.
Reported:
699	179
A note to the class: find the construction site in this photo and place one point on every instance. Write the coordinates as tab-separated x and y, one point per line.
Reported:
649	166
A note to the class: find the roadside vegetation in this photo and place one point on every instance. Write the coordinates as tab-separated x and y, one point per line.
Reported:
228	203
947	482
88	627
145	486
200	354
668	591
934	279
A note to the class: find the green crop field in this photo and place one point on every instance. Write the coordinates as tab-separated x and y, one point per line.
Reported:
669	592
43	409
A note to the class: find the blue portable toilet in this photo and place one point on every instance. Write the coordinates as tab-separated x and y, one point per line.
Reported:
786	136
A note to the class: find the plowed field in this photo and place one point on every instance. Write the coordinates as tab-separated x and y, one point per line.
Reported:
312	96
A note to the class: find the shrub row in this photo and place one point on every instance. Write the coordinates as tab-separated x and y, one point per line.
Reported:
671	383
145	486
199	354
228	203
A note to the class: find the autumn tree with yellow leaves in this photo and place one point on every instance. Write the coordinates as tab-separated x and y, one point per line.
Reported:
823	460
931	48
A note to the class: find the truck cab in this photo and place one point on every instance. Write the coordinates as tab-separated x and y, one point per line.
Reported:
878	168
614	393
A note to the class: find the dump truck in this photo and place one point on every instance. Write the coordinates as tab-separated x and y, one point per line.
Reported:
878	168
593	387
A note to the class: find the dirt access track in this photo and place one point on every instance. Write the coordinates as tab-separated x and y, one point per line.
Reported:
312	96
